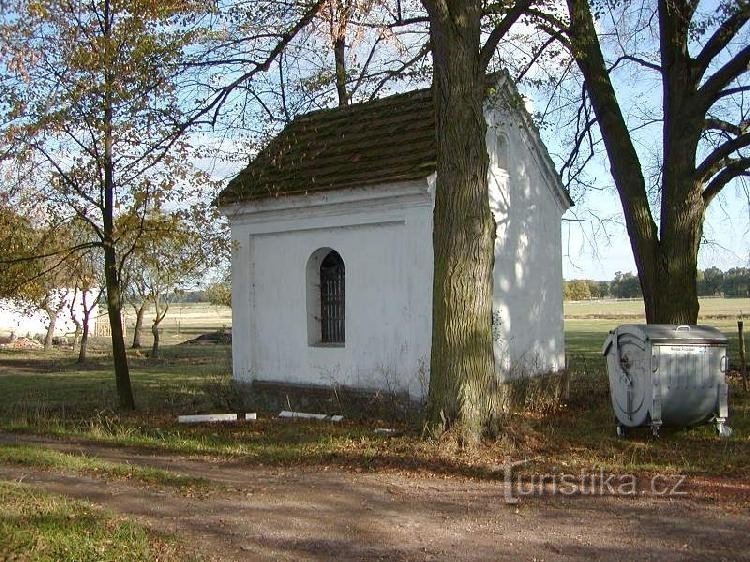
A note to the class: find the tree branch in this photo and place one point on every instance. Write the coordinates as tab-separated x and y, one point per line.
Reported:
723	35
640	61
259	66
732	69
534	58
716	124
735	169
485	55
726	92
716	159
426	48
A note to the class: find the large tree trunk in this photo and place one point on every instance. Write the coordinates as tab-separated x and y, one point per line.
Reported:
139	313
675	300
666	258
111	273
463	384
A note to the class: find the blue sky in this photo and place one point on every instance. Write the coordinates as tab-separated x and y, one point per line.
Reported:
727	230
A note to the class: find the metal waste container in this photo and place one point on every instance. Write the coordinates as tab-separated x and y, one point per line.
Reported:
667	375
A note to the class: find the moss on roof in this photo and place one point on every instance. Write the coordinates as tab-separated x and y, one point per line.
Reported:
383	141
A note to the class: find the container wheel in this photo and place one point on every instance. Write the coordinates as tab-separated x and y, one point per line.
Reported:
724	430
620	430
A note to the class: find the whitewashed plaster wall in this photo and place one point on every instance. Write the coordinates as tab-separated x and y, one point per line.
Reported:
528	206
383	235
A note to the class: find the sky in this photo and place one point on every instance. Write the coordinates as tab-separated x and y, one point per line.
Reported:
595	244
594	256
597	248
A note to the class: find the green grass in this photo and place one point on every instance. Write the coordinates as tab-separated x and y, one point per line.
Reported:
585	336
38	384
45	527
56	397
711	308
39	457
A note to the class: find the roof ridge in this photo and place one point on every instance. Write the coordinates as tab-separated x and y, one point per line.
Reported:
380	141
354	106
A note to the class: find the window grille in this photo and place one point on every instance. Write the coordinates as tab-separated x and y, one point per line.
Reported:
332	302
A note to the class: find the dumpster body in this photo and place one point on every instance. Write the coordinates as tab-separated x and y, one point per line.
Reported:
667	375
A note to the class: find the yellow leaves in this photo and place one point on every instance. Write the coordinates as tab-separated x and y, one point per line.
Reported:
159	9
37	9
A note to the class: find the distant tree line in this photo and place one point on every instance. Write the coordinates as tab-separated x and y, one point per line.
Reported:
734	282
218	293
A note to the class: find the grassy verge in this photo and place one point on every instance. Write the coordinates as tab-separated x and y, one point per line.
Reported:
46	527
38	457
563	433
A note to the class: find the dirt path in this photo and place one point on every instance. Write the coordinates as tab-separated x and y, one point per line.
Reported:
263	513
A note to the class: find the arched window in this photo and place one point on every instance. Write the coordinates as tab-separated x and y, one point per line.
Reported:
326	302
332	278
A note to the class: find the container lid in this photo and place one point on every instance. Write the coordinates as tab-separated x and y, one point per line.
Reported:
668	333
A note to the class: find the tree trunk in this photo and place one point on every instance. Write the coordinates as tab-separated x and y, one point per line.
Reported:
155	345
74	317
666	258
52	315
463	384
339	55
682	207
139	313
84	331
84	343
111	274
114	312
76	334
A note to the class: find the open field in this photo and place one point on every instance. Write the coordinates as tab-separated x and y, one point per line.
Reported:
325	489
183	321
51	395
710	308
588	322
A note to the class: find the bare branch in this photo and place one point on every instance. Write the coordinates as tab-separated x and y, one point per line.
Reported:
718	157
723	35
220	98
734	169
642	62
726	92
534	58
388	74
716	124
713	89
488	50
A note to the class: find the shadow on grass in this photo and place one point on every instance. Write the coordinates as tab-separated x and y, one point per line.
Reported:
576	433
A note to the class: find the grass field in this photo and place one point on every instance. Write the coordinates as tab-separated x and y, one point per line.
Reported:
47	527
49	394
588	322
710	309
184	321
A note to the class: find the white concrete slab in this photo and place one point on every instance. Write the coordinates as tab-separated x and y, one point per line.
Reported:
202	418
